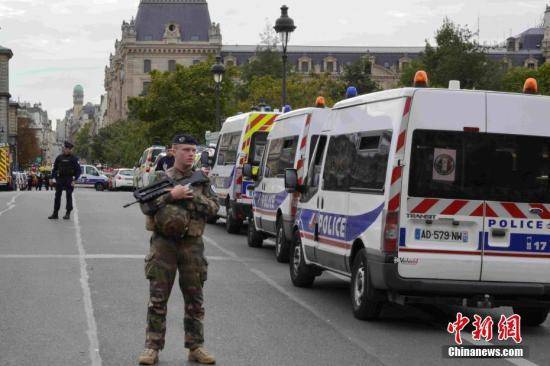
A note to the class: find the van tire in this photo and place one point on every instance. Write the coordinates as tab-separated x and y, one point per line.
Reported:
254	238
232	225
99	186
531	316
301	274
282	246
364	301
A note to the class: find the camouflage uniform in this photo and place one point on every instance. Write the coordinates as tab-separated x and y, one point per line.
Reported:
184	254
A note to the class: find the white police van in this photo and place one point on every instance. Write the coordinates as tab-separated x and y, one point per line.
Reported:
425	194
290	144
91	177
232	152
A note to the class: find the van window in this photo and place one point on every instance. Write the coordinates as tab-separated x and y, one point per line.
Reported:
340	155
257	147
229	144
314	172
312	144
480	166
370	162
155	153
280	156
90	170
143	158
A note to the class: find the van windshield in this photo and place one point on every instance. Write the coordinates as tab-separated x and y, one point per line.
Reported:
480	166
155	153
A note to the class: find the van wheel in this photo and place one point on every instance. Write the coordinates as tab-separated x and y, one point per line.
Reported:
301	274
531	316
232	225
254	238
282	246
363	295
99	187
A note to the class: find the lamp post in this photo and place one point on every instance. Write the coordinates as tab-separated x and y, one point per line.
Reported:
284	26
217	71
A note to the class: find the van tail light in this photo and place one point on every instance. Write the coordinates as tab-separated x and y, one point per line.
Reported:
238	182
147	170
119	177
471	129
391	232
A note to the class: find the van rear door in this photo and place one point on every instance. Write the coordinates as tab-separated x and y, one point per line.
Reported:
441	218
517	247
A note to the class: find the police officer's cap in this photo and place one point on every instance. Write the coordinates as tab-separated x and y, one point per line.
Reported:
68	145
184	139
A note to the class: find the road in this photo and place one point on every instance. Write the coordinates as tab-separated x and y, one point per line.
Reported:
74	293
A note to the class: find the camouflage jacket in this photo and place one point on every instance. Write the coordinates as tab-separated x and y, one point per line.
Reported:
203	204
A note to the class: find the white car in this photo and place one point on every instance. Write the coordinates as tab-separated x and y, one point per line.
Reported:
124	178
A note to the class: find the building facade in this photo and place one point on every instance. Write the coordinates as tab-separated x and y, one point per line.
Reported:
42	127
77	116
169	32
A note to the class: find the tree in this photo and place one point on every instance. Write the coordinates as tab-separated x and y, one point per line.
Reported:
183	100
83	142
358	74
456	57
27	142
514	79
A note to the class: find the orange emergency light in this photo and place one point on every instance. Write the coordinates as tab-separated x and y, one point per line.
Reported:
530	86
420	79
320	102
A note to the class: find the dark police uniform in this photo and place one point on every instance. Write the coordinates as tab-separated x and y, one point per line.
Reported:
65	169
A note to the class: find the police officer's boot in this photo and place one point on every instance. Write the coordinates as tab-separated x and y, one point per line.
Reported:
149	357
67	215
53	216
201	355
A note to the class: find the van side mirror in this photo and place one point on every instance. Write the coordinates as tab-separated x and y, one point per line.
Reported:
247	171
291	180
205	159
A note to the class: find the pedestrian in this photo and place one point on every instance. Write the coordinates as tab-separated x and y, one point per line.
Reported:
39	181
30	179
177	221
47	181
167	161
66	170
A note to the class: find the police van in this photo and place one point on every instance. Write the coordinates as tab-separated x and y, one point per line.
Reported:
91	177
289	145
232	152
421	194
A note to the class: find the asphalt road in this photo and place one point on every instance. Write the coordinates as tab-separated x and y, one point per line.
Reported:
74	293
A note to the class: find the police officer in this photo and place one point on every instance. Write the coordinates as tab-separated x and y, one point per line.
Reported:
66	169
177	220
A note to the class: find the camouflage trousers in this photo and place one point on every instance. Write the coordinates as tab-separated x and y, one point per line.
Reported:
166	257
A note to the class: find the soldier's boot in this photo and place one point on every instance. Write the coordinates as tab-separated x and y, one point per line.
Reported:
202	356
67	215
149	356
53	216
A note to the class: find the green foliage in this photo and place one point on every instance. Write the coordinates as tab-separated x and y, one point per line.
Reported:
358	74
83	142
182	101
267	62
514	79
456	57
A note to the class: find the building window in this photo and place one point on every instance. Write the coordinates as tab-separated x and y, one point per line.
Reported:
230	63
386	65
195	38
404	65
304	67
146	86
171	65
530	65
330	66
146	66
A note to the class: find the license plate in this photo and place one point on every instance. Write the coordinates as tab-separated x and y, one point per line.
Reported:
441	235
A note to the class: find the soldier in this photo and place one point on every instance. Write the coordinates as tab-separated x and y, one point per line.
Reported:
177	220
65	169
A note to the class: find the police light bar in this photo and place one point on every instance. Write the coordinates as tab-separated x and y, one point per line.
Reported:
351	92
320	102
420	79
530	86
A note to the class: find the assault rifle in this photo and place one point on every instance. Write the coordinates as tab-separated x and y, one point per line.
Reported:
154	191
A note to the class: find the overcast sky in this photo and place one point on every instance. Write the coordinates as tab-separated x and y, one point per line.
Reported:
60	43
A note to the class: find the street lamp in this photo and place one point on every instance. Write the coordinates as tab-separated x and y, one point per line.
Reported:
217	71
284	26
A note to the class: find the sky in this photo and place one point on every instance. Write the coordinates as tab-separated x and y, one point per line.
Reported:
58	44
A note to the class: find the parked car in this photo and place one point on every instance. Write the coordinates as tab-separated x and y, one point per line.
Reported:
146	167
123	179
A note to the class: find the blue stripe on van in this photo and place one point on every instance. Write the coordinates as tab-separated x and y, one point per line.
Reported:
402	237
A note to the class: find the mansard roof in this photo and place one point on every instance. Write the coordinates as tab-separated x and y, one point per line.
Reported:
192	16
531	39
6	51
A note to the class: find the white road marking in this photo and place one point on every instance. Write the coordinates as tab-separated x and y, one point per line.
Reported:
10	204
222	249
369	350
87	297
104	256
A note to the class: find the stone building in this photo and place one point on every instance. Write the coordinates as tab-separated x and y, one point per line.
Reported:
5	56
79	115
42	127
167	32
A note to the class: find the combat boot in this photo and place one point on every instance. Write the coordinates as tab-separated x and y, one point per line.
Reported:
201	355
67	215
149	356
53	216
